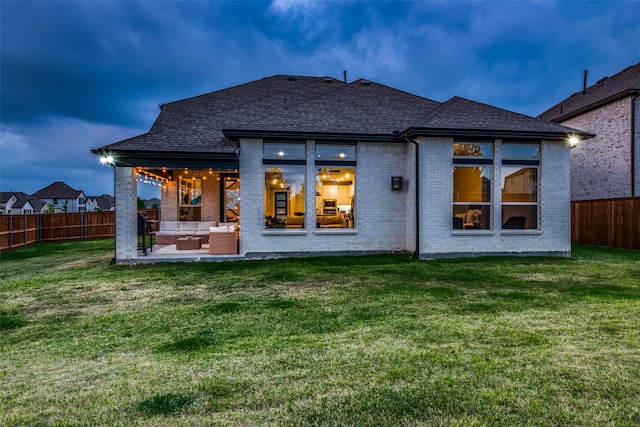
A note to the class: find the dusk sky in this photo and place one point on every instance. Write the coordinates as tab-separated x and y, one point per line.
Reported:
79	75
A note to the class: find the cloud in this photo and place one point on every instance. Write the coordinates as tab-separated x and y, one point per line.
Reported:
57	150
296	7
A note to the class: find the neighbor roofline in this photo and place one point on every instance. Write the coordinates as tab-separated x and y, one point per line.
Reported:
236	134
481	133
592	106
170	159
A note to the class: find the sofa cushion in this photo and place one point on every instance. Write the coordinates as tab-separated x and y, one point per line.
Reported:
188	225
169	225
204	225
221	229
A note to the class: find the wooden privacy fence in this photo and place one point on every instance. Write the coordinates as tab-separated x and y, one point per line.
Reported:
609	222
17	231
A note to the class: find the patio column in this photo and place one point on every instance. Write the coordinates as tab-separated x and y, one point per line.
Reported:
126	213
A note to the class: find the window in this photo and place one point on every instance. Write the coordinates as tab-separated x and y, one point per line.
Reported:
520	166
335	185
190	197
472	174
284	185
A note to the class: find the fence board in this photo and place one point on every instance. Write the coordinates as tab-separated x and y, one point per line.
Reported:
609	222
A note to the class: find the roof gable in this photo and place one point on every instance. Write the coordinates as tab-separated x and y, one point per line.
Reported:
5	196
602	92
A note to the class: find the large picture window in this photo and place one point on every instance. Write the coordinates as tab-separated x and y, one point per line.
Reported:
472	176
284	185
335	186
520	165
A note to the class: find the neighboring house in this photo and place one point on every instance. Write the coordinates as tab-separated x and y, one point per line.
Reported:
607	166
315	165
29	204
153	202
104	202
21	203
7	199
63	197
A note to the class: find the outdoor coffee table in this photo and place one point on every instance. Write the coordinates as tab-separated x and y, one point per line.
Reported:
184	243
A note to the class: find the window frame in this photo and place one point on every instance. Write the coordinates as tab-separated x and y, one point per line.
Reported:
347	162
484	160
269	161
519	163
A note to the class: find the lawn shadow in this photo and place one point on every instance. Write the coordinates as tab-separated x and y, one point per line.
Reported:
165	404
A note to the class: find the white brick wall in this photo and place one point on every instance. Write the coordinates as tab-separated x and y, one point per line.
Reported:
126	213
601	166
436	183
381	214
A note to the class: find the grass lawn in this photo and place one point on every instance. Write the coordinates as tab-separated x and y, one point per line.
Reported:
359	341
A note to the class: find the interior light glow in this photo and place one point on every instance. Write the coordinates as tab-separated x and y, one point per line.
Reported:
280	153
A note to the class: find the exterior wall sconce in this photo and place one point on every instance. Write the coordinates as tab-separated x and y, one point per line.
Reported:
396	183
573	142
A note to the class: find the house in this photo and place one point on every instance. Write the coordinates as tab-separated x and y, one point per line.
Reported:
14	203
27	204
104	202
316	165
63	197
607	166
7	199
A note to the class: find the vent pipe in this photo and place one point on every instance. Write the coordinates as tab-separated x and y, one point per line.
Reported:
344	72
584	82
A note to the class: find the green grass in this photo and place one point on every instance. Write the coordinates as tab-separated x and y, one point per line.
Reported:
358	341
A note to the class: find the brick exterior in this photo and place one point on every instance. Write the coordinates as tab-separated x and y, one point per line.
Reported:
126	213
436	183
385	219
381	213
169	205
601	166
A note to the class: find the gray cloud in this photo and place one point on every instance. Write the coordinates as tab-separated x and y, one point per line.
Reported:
77	75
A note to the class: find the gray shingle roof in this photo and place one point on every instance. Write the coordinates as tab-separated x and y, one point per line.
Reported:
5	196
463	114
104	201
57	190
23	198
361	107
605	90
195	124
311	105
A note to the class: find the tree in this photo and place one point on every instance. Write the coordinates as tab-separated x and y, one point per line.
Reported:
142	204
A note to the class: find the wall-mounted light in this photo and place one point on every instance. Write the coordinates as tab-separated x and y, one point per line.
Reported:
573	141
396	183
107	160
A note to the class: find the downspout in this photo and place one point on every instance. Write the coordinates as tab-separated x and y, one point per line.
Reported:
416	254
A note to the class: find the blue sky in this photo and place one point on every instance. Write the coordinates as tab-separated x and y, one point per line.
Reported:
79	75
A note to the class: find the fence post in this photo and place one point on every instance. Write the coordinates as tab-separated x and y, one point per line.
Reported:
81	226
11	232
24	218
